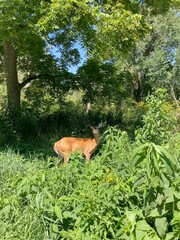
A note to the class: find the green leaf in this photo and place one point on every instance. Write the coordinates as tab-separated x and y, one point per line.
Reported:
48	194
131	216
58	212
166	157
139	154
170	236
176	216
55	228
144	231
148	167
155	159
169	194
178	205
161	226
140	234
5	210
143	225
68	214
156	213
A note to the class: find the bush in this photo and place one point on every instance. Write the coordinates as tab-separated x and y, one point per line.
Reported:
158	121
132	113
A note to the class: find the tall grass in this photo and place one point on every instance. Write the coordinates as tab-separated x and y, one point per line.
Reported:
12	163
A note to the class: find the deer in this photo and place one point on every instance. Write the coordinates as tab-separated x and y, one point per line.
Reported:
85	146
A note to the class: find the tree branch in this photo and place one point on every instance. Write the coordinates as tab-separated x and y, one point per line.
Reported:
33	77
28	80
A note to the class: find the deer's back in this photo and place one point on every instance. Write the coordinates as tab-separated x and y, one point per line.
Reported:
70	144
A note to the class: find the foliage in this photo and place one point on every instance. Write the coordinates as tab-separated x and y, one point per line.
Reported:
158	120
61	24
164	60
132	114
130	190
154	61
118	196
98	80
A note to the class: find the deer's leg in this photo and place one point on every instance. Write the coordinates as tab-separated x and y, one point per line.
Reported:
88	157
66	159
58	161
60	157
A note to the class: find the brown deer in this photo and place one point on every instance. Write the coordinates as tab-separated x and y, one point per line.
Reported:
68	145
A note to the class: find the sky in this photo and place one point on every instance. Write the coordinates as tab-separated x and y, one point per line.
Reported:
83	56
82	52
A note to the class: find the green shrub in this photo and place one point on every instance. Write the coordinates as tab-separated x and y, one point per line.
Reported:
132	113
158	121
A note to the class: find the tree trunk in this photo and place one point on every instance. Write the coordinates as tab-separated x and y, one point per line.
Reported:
88	107
13	86
137	88
174	95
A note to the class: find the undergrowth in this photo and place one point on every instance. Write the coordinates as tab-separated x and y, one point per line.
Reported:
126	192
130	190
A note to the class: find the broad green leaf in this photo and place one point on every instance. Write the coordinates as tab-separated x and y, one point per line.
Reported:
143	225
166	157
139	154
176	216
5	210
157	213
170	236
151	237
131	216
145	231
160	199
169	193
140	234
161	226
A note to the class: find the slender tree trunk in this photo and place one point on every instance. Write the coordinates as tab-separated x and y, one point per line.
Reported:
88	107
13	86
137	88
174	95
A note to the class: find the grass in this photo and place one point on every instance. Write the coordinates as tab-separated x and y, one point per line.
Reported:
14	169
12	163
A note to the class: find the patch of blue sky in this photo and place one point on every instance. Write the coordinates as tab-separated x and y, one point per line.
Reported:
72	68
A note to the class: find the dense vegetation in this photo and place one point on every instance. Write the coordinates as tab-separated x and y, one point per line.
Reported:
129	191
129	82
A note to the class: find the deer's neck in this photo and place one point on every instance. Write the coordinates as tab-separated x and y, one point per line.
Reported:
96	138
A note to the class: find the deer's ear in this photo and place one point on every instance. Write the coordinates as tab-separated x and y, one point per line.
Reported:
100	125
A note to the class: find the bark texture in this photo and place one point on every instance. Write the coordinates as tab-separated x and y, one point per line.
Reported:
13	86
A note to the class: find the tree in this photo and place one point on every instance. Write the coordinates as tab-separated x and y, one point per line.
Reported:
162	64
97	80
23	22
17	28
154	61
